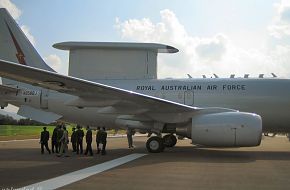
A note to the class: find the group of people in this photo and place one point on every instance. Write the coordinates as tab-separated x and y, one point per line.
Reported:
60	140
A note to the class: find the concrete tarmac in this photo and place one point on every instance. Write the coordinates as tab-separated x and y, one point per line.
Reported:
182	167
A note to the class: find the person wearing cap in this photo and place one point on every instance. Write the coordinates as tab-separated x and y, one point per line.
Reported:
89	139
64	142
79	135
104	140
44	137
130	132
59	134
74	139
54	143
98	139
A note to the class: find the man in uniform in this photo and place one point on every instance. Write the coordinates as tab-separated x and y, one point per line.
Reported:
89	139
54	143
98	139
74	139
80	136
64	141
104	140
44	137
130	133
59	135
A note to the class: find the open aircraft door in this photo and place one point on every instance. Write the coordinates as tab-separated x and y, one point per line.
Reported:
189	98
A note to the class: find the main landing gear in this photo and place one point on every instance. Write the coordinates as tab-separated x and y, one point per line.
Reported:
157	144
169	140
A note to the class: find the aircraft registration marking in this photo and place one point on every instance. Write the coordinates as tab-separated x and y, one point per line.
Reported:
30	93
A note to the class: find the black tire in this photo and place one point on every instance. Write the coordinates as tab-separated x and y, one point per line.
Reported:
169	140
155	144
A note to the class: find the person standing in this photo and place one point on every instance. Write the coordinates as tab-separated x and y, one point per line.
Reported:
54	143
74	139
89	139
64	141
80	136
104	140
130	133
44	137
59	135
98	139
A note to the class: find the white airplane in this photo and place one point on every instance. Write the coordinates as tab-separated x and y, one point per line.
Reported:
115	85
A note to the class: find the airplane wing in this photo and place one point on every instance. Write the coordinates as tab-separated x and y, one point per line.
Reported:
89	90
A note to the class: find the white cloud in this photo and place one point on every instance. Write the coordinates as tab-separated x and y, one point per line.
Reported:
280	27
16	13
283	9
212	49
26	31
199	55
12	8
54	61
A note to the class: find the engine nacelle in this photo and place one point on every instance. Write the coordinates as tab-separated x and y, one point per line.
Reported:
229	129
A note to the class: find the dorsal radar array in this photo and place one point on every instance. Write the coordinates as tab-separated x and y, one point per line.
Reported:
273	75
112	60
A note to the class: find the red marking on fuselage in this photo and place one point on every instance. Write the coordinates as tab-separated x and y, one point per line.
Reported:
19	55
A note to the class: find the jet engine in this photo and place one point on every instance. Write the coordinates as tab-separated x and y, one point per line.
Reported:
229	129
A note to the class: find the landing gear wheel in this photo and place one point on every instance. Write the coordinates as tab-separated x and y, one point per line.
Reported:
155	144
169	140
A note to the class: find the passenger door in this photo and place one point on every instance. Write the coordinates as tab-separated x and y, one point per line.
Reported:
188	98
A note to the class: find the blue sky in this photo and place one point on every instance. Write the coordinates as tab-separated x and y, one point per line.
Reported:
214	36
94	20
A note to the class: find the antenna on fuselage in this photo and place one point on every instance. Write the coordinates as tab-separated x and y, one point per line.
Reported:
189	76
274	76
215	75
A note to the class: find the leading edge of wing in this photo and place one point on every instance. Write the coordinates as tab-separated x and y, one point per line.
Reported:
75	86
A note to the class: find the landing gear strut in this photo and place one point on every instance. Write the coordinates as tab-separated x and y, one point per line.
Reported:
169	140
155	144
